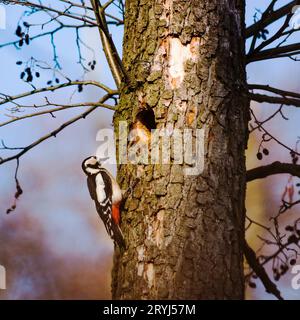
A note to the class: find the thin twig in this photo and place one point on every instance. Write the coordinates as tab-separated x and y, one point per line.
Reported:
56	131
8	98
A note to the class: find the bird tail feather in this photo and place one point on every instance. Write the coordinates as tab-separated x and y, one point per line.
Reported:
118	237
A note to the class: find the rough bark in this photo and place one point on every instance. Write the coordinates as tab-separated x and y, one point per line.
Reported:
185	233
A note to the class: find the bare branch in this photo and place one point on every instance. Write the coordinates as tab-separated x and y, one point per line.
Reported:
274	100
61	108
287	97
8	98
73	4
278	52
276	36
19	190
281	249
270	18
260	271
273	115
274	90
269	9
267	136
109	48
52	32
58	130
271	169
117	20
60	13
287	206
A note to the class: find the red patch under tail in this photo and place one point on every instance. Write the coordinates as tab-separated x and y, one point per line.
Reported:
116	213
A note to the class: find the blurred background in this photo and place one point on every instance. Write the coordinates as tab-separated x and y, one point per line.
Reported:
54	245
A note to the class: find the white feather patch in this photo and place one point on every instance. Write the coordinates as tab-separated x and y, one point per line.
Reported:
100	188
116	190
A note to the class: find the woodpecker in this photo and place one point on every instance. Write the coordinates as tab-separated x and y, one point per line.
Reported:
107	195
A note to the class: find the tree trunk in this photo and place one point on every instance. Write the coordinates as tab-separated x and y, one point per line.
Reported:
185	61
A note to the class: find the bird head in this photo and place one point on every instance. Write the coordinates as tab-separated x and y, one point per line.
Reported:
91	165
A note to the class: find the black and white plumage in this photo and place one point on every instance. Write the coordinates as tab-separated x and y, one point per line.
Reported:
107	195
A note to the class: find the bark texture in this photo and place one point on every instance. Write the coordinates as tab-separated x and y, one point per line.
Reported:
185	61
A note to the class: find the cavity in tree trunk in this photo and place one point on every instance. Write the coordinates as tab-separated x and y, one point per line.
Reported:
185	61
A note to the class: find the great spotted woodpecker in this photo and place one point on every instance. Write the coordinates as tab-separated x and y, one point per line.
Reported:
107	195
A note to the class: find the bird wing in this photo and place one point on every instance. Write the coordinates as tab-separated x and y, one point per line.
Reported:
107	183
104	208
91	183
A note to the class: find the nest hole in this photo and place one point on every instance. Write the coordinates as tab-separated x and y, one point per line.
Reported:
147	118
